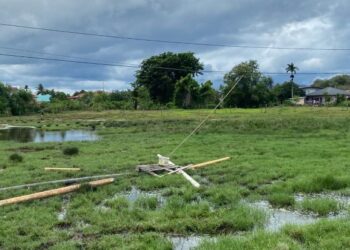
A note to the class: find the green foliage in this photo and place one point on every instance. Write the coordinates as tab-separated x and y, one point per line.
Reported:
322	206
283	91
16	157
252	90
71	151
158	76
281	200
339	81
186	92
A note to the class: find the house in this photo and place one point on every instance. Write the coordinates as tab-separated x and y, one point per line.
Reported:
322	96
310	89
76	97
43	98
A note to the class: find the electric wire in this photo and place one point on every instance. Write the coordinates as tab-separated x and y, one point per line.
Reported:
171	41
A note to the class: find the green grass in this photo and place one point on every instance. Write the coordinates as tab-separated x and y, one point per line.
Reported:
322	206
281	200
274	154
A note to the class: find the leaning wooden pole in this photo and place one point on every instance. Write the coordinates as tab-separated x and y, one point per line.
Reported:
53	192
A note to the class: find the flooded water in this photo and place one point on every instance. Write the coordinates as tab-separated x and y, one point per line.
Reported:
20	134
185	243
279	217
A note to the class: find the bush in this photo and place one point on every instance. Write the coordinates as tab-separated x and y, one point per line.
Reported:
71	151
16	158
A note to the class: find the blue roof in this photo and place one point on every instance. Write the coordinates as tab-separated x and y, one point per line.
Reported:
43	98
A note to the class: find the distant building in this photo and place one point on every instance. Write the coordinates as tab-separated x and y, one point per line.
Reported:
43	98
309	90
320	96
76	97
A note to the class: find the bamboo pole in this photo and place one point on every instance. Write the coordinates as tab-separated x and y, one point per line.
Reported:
63	169
203	164
53	192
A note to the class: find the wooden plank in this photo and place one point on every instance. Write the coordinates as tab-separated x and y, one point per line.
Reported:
53	192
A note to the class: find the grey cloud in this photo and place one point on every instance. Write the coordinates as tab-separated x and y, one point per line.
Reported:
283	23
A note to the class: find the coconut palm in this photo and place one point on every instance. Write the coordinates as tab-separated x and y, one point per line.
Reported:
292	69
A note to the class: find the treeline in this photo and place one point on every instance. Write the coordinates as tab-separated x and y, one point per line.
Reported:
163	81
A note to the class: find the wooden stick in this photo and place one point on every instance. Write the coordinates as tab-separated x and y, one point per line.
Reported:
53	192
203	164
62	169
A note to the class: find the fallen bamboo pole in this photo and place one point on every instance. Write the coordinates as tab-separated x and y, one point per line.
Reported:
63	169
53	192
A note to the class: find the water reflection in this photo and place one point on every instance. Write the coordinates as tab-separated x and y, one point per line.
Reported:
39	136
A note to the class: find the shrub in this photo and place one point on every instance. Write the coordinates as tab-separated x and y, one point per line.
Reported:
71	151
16	157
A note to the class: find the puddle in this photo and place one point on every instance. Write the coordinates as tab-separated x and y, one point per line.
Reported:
279	217
136	193
61	216
341	199
28	134
132	196
188	242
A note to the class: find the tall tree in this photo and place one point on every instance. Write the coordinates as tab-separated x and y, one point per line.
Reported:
252	90
292	69
186	92
160	73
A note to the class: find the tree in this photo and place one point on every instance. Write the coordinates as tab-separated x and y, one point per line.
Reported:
26	88
40	89
339	81
252	90
207	94
186	92
283	91
292	69
160	73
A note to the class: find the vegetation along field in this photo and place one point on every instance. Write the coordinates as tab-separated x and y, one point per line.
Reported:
287	166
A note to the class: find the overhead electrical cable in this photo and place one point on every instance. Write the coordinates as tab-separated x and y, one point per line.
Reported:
170	41
156	67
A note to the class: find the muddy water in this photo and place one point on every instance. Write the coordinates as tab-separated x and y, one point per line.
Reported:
27	134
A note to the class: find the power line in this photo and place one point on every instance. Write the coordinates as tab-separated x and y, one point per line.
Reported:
171	41
165	68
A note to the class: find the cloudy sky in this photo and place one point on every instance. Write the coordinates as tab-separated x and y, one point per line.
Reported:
274	23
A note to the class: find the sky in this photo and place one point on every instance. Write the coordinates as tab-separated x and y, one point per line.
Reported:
268	23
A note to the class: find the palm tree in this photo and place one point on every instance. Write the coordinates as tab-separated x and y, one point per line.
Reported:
292	69
40	89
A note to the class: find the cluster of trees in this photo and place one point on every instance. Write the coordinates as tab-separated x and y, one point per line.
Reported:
16	101
339	81
165	80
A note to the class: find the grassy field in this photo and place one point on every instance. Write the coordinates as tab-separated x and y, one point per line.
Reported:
275	154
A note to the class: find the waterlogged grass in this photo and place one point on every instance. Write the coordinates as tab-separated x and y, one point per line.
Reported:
322	206
322	235
274	154
281	200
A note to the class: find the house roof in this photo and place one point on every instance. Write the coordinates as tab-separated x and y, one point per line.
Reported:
329	91
310	87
